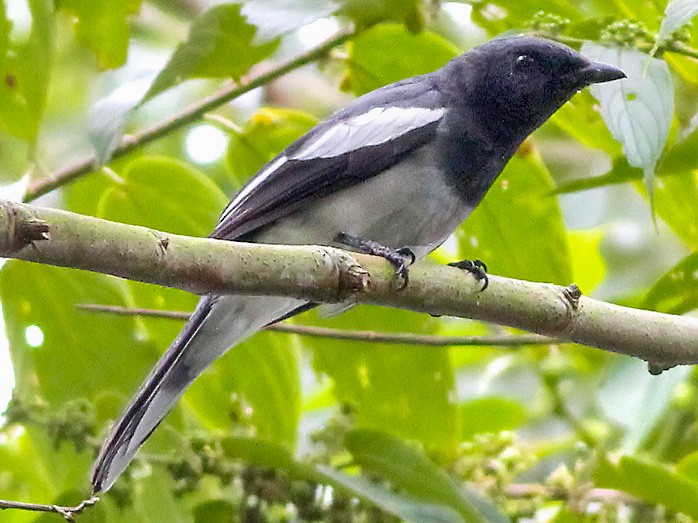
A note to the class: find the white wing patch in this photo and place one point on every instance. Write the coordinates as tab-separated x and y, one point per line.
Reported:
374	127
377	126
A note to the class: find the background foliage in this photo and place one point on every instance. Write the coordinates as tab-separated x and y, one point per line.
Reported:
286	428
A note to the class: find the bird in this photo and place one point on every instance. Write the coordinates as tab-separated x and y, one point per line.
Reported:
393	173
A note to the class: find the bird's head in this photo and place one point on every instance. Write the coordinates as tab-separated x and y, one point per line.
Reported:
518	82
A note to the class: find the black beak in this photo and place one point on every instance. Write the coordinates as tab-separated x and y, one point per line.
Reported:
597	72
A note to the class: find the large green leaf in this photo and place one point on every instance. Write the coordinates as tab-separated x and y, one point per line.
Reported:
103	27
409	468
404	389
490	414
220	45
373	62
518	230
81	355
25	69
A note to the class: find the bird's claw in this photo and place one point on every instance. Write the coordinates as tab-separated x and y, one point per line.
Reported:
475	267
400	259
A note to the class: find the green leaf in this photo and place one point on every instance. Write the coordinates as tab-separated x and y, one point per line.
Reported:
262	137
649	481
276	17
164	194
26	68
81	354
220	45
588	266
674	201
408	468
373	63
365	13
677	14
676	292
103	27
490	414
688	466
639	109
404	389
534	248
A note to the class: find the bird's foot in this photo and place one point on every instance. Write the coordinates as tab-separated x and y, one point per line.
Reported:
475	267
400	259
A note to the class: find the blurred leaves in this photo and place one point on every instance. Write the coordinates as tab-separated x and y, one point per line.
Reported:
676	292
650	482
26	56
372	62
220	45
384	427
677	14
103	27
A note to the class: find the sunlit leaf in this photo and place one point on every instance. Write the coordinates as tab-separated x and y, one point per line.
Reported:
220	45
366	13
103	27
677	14
637	110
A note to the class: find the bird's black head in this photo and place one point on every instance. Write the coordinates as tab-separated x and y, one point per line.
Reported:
514	84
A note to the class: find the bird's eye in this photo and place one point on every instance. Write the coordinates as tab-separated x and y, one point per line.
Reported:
524	63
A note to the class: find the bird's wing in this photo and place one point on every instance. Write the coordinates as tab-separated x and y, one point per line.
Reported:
355	144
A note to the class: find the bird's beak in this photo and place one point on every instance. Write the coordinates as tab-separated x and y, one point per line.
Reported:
597	72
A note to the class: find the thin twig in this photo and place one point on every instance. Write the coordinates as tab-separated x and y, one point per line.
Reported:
188	115
66	512
352	335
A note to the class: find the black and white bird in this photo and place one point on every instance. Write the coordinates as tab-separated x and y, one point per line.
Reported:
401	167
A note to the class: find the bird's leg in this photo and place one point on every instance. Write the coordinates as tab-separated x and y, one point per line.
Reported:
475	267
400	259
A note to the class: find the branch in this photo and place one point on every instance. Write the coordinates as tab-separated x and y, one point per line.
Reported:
325	274
66	512
185	117
398	338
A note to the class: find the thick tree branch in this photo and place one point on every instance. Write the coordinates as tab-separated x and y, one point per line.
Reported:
325	274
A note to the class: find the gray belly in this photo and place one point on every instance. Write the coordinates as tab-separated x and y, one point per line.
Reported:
415	209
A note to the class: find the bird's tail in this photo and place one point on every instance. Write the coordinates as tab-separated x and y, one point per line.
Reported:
216	324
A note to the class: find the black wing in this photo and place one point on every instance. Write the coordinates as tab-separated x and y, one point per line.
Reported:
354	144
